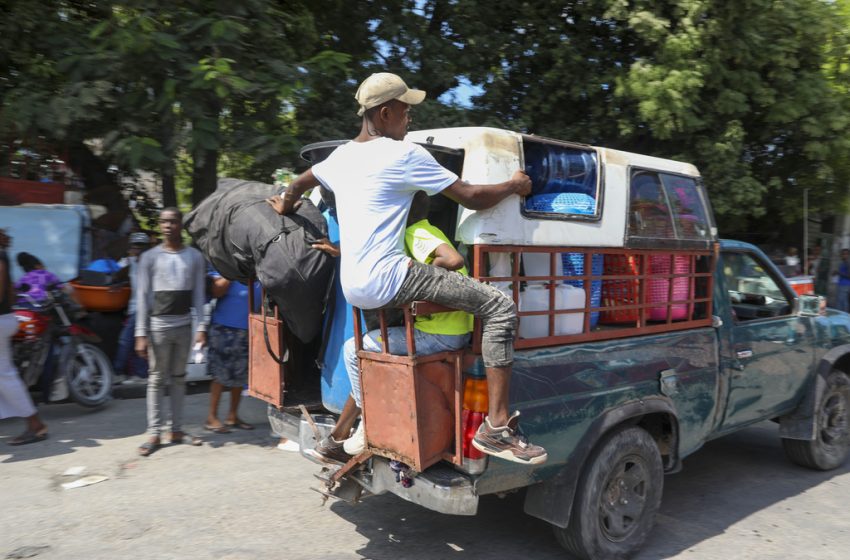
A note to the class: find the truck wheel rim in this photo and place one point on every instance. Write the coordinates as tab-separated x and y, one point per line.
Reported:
623	500
833	420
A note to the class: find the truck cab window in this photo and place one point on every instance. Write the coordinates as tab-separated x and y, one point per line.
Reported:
753	290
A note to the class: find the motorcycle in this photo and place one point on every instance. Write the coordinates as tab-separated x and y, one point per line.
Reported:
56	355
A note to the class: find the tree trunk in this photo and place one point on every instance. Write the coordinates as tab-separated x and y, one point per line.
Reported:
169	192
167	172
204	174
101	187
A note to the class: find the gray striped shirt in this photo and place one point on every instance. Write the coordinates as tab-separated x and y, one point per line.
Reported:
169	285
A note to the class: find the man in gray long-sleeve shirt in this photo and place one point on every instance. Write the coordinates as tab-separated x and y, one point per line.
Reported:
170	284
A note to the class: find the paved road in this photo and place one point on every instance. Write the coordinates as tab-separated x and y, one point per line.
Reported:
238	497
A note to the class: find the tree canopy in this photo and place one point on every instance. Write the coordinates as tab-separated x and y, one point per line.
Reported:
753	92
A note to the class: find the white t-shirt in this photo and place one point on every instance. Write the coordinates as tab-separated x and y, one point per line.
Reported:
373	184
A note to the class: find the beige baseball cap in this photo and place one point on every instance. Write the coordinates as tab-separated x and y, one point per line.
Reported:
383	86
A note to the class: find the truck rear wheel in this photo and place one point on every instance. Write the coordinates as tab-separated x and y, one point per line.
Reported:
618	495
832	438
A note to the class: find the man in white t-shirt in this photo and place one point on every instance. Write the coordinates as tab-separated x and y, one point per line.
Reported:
374	178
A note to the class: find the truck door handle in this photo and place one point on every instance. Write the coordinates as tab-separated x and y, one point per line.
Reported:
744	354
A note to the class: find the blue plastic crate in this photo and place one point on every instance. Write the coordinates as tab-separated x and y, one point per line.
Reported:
574	266
561	203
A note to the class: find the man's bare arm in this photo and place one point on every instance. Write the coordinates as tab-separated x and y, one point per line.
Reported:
286	203
220	285
446	256
481	197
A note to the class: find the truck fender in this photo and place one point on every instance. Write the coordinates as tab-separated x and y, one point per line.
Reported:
551	500
800	424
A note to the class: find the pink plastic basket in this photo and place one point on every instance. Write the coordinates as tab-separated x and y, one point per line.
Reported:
658	289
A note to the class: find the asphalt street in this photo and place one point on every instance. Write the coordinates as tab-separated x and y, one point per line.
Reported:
239	497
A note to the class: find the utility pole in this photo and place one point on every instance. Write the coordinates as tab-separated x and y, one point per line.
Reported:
805	231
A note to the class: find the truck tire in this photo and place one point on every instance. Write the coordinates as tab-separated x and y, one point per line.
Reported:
832	439
618	495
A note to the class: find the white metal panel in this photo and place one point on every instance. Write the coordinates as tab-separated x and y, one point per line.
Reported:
492	155
648	162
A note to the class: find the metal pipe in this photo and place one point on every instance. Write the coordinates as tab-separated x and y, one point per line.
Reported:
805	232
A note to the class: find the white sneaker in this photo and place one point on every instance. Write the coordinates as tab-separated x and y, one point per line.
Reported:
356	444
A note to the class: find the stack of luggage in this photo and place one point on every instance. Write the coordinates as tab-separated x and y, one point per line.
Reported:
244	238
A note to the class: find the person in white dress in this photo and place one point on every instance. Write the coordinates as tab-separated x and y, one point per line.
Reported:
15	401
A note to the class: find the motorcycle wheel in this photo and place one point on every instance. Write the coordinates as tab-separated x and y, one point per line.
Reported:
88	372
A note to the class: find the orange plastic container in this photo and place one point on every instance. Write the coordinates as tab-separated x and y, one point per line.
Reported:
101	298
802	285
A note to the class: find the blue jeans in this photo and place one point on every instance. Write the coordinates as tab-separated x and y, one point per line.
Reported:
126	350
426	343
843	295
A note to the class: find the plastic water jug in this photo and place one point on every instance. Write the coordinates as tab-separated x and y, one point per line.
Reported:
555	169
569	297
536	298
500	265
537	264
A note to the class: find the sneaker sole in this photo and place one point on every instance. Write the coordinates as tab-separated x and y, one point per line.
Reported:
323	458
355	452
508	456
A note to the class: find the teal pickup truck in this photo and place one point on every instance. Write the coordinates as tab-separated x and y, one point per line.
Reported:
678	338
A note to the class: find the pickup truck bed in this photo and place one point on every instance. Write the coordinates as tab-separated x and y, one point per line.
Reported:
682	388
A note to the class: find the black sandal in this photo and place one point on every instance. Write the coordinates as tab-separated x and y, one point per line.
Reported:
148	448
178	438
29	437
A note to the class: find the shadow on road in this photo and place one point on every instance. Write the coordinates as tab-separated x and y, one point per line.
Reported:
73	427
723	483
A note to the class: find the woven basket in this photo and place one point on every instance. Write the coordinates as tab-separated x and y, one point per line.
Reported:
616	293
658	289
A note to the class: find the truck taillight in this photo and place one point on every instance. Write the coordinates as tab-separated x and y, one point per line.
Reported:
474	412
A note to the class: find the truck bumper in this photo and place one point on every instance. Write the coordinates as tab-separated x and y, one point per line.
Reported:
440	488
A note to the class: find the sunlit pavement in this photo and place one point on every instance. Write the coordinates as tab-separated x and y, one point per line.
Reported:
238	497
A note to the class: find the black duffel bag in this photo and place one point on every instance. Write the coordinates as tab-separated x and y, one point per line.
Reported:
243	237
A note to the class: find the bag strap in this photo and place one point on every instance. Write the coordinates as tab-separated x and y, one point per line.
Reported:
266	336
330	305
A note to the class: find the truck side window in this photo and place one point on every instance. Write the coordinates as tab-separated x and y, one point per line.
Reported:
753	291
564	180
649	213
666	206
688	208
